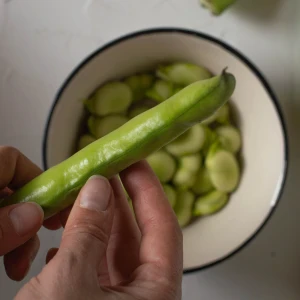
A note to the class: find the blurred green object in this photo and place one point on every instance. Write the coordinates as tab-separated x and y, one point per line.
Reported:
217	7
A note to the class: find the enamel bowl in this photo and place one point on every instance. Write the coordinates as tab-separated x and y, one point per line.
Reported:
211	239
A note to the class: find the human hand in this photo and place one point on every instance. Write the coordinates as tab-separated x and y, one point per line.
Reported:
106	254
18	223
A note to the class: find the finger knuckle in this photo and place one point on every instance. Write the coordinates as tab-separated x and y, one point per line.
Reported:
8	150
35	289
89	230
151	222
149	188
34	284
168	279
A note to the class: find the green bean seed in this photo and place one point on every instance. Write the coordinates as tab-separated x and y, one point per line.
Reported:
185	175
163	165
139	84
188	143
230	138
184	179
85	140
177	89
170	193
137	111
221	116
223	169
210	138
183	74
183	208
191	162
112	98
100	127
210	203
146	80
202	183
160	91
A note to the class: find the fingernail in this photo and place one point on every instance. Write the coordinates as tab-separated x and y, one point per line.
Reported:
96	194
26	217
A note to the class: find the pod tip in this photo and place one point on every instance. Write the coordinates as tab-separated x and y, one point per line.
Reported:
224	71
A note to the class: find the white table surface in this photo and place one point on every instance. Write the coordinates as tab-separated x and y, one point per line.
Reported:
41	41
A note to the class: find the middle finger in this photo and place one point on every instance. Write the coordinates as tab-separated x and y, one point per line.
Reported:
124	243
17	262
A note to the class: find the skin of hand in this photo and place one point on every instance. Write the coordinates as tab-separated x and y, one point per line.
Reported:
19	223
106	252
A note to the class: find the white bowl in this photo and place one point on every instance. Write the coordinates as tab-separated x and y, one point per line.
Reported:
212	239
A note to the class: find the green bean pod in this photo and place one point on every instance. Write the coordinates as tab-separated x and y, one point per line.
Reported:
57	187
217	7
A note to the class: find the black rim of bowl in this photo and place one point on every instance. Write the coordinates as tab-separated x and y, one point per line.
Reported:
233	51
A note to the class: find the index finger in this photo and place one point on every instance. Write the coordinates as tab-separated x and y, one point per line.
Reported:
15	171
161	235
15	168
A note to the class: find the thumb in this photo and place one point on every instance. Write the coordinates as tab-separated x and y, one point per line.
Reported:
18	224
89	225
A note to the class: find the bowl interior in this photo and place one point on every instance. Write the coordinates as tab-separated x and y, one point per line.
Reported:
212	238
